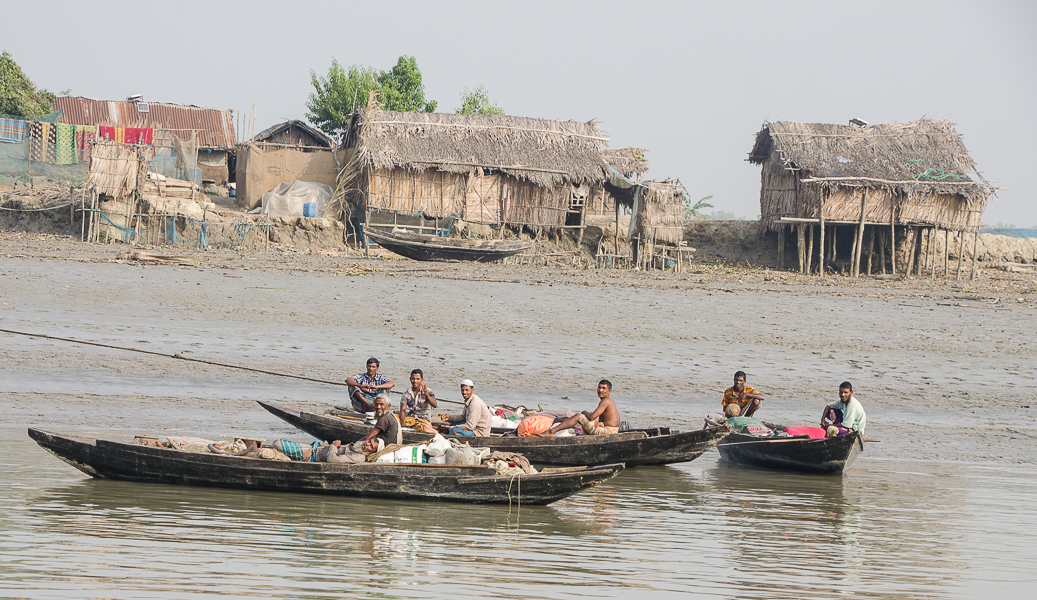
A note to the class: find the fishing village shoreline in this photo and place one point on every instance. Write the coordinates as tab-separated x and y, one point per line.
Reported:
529	335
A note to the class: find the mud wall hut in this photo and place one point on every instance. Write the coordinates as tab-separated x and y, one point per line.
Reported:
490	169
861	190
284	153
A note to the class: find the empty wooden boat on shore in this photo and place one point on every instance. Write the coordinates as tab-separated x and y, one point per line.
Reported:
430	247
798	453
657	446
475	484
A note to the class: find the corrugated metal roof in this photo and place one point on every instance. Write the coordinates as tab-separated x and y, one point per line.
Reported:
214	128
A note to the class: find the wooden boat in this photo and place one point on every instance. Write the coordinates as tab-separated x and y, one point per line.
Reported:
800	453
431	247
475	484
657	446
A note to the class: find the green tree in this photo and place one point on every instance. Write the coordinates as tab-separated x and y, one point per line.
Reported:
694	211
338	95
402	89
343	91
477	102
19	97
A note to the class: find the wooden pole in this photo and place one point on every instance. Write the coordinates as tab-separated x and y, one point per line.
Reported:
919	249
616	240
892	234
932	252
975	248
801	247
810	248
946	252
821	244
882	250
871	247
961	250
583	225
858	244
911	239
781	247
835	250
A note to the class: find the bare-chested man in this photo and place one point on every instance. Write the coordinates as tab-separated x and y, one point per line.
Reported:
604	420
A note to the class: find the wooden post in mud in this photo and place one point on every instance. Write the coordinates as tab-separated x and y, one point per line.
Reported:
919	250
821	244
801	247
892	235
870	245
835	250
781	247
946	252
961	250
912	242
882	250
858	243
932	251
615	241
975	248
810	247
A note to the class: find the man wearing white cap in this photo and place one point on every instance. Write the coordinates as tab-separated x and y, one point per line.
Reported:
475	420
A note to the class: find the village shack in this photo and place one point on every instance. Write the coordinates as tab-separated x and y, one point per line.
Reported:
857	191
210	131
284	153
429	170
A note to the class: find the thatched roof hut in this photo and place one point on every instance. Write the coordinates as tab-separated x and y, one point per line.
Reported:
484	168
659	212
628	161
914	175
920	171
295	134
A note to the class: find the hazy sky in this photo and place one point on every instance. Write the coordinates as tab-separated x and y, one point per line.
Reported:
691	82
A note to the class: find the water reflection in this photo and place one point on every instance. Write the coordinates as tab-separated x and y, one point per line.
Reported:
883	530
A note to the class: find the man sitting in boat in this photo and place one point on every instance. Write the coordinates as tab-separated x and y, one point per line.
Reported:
365	388
741	400
475	419
845	415
417	404
386	428
604	420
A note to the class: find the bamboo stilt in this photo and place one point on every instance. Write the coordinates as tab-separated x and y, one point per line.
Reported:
975	248
858	243
946	252
882	250
781	247
961	251
871	247
810	248
821	244
801	248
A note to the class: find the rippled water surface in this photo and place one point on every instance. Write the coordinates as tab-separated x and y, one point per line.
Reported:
889	529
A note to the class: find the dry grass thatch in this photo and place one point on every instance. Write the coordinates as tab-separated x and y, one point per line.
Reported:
628	161
545	153
118	169
913	173
660	212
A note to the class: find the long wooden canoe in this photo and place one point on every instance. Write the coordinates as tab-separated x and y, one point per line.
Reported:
475	484
657	446
431	247
802	454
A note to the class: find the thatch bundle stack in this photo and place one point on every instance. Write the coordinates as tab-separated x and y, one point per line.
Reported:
661	220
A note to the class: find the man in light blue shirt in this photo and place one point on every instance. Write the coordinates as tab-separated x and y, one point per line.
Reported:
845	414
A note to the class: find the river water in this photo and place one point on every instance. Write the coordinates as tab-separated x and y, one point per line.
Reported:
884	529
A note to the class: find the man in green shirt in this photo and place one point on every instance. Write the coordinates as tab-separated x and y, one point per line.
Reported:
845	414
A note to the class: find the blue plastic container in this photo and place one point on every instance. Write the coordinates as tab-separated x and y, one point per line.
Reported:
309	209
233	192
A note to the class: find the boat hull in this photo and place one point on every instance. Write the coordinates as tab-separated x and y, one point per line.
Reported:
432	248
633	449
149	464
829	455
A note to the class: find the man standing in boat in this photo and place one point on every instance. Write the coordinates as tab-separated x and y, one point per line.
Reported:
741	400
845	415
475	420
386	428
366	388
603	420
